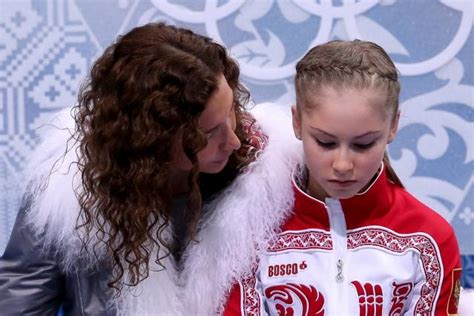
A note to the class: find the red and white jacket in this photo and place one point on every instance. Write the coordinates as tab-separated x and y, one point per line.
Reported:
381	252
269	248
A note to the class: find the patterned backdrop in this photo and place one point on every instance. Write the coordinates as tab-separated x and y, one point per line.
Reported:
48	46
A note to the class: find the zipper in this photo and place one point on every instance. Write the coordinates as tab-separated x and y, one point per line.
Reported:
340	272
339	281
339	237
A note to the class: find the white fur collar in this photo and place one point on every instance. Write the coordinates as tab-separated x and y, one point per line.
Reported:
52	178
243	217
55	209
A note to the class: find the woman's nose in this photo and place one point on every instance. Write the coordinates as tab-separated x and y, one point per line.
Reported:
232	141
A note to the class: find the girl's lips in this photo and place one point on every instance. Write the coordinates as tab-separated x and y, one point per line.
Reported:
343	183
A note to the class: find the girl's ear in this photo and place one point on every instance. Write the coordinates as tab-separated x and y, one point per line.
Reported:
394	128
296	121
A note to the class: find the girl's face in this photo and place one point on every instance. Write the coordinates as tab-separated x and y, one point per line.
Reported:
344	132
218	122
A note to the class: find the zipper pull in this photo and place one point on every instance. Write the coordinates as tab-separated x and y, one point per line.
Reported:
339	276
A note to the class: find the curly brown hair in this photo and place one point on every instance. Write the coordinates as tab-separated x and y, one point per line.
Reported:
149	86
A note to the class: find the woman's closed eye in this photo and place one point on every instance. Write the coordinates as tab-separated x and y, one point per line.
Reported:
212	132
230	121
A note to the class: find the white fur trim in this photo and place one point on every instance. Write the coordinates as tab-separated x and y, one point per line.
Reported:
53	180
155	296
243	217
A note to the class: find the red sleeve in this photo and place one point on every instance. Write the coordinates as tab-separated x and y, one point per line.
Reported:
232	307
451	285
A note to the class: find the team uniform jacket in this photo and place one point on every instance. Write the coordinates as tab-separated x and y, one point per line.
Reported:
381	252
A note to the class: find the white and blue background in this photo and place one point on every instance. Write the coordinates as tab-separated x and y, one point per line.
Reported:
48	46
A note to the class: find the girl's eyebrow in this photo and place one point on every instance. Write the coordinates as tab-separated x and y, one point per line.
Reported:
356	137
368	134
321	131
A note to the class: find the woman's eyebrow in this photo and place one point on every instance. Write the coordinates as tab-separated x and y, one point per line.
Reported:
213	129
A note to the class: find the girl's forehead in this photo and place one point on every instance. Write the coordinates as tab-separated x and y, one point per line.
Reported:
331	90
346	102
327	95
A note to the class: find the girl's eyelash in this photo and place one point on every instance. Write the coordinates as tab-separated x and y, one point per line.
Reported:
329	145
325	144
364	146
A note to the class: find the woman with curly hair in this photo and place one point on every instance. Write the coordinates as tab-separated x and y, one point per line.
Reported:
119	189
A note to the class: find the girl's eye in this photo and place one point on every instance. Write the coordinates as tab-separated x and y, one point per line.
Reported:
326	145
364	146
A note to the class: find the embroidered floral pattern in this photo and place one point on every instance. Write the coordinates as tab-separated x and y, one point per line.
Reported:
301	240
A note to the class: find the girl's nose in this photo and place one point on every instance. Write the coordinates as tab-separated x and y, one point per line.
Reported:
342	163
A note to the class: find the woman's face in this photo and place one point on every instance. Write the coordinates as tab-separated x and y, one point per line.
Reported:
344	134
218	122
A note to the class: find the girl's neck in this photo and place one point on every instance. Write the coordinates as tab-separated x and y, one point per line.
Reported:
311	187
316	191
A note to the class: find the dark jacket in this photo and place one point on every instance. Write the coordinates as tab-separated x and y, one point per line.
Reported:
32	283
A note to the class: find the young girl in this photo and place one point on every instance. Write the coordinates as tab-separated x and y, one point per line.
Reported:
354	242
